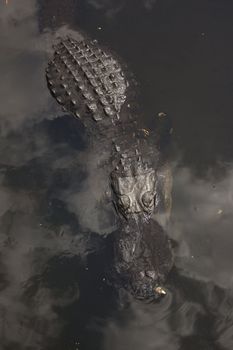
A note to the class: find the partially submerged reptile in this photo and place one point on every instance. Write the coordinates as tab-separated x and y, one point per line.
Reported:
90	83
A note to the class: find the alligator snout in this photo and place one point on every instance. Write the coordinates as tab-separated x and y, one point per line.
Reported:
147	266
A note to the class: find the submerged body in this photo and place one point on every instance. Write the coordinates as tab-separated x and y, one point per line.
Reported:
90	83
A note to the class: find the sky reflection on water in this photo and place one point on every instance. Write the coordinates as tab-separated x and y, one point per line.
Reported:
52	296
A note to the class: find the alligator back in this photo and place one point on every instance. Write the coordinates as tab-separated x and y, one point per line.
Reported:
87	81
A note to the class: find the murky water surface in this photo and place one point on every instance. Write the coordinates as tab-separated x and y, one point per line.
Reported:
53	293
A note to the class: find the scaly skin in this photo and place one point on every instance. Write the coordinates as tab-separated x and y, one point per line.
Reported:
90	83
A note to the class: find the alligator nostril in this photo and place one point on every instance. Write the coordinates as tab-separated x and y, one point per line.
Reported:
150	274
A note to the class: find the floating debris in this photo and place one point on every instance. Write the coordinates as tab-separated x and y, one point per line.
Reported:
162	114
146	132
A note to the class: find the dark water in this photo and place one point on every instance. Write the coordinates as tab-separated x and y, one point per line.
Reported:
53	294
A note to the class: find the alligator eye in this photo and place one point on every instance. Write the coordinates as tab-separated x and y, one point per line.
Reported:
148	199
124	201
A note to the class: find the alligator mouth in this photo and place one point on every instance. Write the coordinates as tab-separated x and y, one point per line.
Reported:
149	291
153	296
150	287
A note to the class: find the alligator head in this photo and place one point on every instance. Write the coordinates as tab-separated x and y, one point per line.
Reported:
142	252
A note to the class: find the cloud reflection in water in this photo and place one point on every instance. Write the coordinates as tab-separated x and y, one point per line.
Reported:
48	197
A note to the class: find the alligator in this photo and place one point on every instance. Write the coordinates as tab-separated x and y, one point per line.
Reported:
91	84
